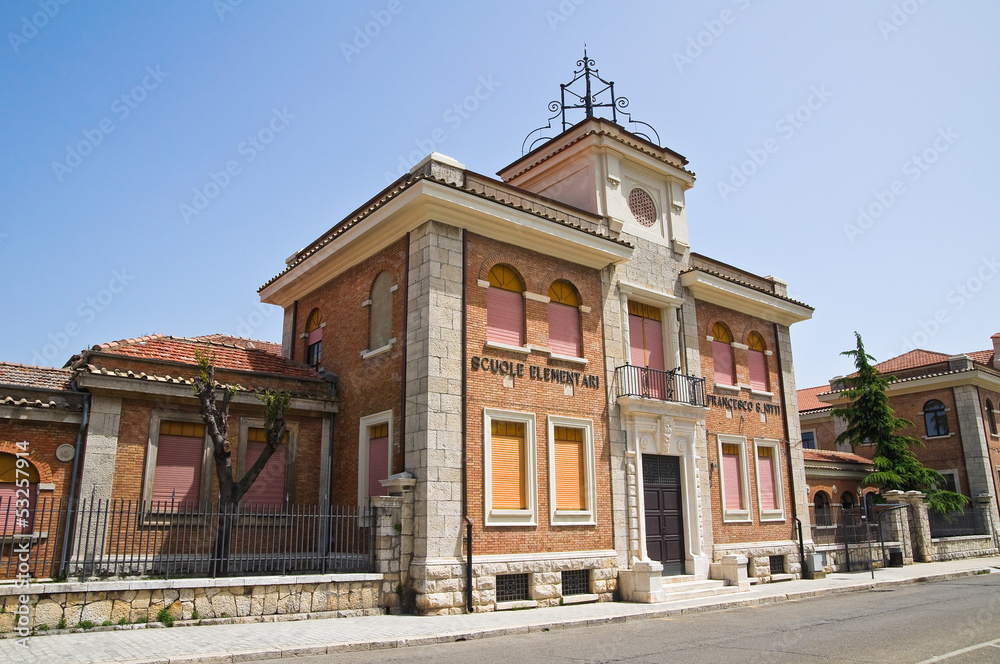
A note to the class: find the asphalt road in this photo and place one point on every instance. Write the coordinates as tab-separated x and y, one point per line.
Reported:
957	622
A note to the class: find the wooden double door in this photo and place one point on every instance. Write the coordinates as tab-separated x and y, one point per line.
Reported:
661	484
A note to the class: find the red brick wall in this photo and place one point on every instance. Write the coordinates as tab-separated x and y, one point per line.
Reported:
485	389
826	434
366	386
43	438
743	423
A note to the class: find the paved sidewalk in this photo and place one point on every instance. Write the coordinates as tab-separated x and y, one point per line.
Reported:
256	641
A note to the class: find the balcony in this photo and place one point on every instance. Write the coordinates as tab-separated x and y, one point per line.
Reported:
633	381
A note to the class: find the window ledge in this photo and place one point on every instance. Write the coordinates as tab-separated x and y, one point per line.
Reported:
23	537
520	604
947	435
730	388
365	354
511	518
772	516
569	358
573	518
736	517
496	345
758	393
580	599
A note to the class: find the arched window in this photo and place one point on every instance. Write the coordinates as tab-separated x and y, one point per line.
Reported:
564	319
935	418
821	507
380	311
505	307
991	418
757	360
10	475
847	500
314	343
722	355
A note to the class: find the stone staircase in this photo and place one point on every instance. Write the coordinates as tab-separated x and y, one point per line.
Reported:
687	586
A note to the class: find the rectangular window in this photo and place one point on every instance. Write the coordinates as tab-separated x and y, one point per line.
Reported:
645	331
180	454
758	370
374	455
269	488
722	359
809	440
571	470
564	330
509	468
950	480
735	487
770	498
504	316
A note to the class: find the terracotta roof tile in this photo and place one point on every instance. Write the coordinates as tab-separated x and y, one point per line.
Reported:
834	457
911	360
31	376
227	356
241	342
808	398
982	357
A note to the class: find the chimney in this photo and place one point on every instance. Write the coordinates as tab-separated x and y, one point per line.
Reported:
996	350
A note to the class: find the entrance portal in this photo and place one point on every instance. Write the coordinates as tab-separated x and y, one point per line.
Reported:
661	483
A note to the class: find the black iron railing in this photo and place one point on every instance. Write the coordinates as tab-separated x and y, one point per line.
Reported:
129	538
633	381
970	521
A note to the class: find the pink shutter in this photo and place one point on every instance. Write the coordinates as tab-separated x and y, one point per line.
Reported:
734	485
504	316
378	465
637	351
564	329
765	468
653	331
9	510
269	488
314	336
758	370
722	358
178	469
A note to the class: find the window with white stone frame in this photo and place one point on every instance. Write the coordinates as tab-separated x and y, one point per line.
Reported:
572	493
509	468
951	482
770	494
733	478
374	455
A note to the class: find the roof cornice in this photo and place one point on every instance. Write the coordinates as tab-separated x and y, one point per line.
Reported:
743	298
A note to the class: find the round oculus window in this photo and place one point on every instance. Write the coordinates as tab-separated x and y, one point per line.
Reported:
642	207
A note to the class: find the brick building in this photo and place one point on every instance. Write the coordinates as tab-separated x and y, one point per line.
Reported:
952	401
541	357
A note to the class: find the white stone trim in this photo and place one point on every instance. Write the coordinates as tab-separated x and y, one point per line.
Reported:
365	354
393	288
954	473
727	388
815	441
742	515
482	283
657	298
737	344
564	517
366	303
366	423
584	309
528	295
779	487
568	358
496	345
520	557
525	517
758	393
728	294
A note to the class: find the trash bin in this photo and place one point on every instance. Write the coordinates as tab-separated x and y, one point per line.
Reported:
895	557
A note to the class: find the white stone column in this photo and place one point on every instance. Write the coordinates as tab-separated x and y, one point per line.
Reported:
790	411
972	429
97	475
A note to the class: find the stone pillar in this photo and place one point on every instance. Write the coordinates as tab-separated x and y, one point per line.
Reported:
97	474
613	320
401	485
734	571
972	429
643	582
388	514
920	538
900	524
790	408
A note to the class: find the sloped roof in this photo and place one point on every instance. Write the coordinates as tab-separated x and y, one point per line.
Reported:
982	357
242	342
225	355
911	360
31	376
808	398
834	457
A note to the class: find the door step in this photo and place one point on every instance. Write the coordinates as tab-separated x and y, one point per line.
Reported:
677	588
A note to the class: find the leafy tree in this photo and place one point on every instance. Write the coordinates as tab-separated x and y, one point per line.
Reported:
870	420
216	417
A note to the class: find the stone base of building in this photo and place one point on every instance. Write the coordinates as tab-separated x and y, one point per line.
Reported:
764	559
523	581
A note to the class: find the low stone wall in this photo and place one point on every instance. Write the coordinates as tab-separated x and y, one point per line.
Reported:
759	556
246	599
835	557
440	586
953	548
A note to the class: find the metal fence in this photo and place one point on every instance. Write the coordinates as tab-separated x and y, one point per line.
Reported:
971	520
833	524
128	538
635	381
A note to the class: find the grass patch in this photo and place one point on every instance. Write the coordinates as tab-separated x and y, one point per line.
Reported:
164	617
86	624
62	623
124	621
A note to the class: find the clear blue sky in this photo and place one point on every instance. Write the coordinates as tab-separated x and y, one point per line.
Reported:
116	114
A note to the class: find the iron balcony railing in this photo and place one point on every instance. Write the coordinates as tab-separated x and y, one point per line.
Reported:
128	538
634	381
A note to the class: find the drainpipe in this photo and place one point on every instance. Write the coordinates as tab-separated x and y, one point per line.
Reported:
465	441
402	382
791	471
295	316
78	450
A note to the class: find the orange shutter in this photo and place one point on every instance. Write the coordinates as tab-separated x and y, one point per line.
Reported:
569	469
508	481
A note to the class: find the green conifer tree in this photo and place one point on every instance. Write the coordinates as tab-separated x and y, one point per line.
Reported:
870	420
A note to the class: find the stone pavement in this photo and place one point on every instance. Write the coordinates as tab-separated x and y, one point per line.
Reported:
211	644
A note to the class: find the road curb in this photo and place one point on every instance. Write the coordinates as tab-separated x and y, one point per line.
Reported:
730	602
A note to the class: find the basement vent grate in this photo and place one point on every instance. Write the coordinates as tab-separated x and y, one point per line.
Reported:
512	587
576	582
777	564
